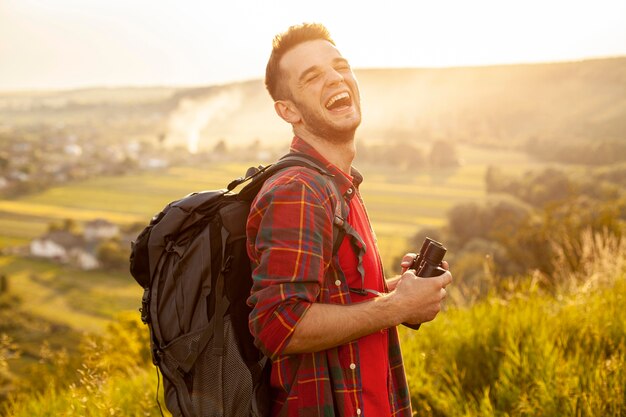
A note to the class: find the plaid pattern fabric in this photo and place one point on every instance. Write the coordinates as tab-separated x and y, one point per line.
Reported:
290	239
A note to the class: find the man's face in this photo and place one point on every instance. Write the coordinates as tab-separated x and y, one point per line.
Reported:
323	90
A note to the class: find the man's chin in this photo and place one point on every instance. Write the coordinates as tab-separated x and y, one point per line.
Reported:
347	121
335	129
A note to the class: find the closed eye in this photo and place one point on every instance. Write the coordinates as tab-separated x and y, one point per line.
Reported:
342	65
312	77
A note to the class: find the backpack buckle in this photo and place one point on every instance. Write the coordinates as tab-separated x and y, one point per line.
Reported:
145	306
157	355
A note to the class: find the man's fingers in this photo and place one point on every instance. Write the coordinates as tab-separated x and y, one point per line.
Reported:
446	279
407	261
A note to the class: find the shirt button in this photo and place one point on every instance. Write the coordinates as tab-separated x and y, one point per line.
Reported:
337	283
349	191
352	366
358	411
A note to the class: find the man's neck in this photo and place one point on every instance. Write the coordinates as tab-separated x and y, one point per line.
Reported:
340	154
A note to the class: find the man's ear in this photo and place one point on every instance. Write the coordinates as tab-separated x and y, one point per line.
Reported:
287	111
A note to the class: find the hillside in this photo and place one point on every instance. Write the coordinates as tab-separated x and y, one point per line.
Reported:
493	105
498	105
581	100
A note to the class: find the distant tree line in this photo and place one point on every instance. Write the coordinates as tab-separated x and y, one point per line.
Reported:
529	221
589	152
407	156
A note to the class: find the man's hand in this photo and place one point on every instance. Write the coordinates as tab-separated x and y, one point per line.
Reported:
420	298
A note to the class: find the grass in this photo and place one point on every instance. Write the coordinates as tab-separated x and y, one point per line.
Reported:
84	301
532	355
16	229
521	354
528	353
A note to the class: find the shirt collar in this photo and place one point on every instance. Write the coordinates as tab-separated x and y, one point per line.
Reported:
347	183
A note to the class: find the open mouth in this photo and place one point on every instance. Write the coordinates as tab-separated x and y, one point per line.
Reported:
339	101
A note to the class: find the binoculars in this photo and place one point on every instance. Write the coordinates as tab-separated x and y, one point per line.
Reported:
427	263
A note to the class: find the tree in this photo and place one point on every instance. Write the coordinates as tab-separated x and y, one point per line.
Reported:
220	147
465	222
112	256
443	154
66	225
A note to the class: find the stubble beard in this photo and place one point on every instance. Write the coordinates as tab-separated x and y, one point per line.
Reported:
324	129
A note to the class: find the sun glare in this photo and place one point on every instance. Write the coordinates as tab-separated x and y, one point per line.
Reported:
65	43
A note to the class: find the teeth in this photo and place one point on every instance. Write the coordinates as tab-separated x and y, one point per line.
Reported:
335	98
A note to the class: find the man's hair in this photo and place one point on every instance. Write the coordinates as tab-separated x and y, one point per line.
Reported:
282	43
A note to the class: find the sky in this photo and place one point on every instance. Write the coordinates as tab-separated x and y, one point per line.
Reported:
59	44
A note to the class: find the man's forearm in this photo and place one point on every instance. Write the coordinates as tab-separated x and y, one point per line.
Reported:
414	300
328	325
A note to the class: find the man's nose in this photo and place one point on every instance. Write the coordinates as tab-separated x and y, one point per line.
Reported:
334	77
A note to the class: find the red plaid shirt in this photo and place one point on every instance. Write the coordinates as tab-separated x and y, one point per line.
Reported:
290	243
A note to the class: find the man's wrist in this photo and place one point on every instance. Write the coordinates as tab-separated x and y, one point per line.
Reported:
392	309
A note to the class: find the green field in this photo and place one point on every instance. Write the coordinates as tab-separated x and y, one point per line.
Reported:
82	300
398	203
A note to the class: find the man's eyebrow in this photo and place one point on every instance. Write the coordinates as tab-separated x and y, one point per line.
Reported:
313	68
307	71
340	60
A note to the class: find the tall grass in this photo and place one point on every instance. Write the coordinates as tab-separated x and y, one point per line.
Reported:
527	353
115	378
530	354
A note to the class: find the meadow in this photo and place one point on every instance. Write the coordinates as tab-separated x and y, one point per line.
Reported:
399	203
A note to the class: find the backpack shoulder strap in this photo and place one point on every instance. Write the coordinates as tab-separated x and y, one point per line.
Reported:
305	161
340	215
340	210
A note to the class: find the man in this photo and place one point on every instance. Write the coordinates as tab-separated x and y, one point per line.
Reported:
326	318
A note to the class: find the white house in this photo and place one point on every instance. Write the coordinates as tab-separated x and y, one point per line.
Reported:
100	229
53	245
84	259
63	246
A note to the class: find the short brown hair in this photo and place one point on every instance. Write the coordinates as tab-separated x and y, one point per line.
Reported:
282	43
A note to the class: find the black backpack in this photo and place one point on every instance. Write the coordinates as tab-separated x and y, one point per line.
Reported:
192	262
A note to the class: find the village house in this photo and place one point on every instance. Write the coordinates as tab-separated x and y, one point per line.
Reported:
100	229
65	247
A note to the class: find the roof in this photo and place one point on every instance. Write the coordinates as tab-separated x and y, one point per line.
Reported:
64	238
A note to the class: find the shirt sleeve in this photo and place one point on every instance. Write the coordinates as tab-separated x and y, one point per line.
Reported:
290	254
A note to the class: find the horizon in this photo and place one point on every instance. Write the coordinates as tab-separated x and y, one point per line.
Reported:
260	79
72	44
